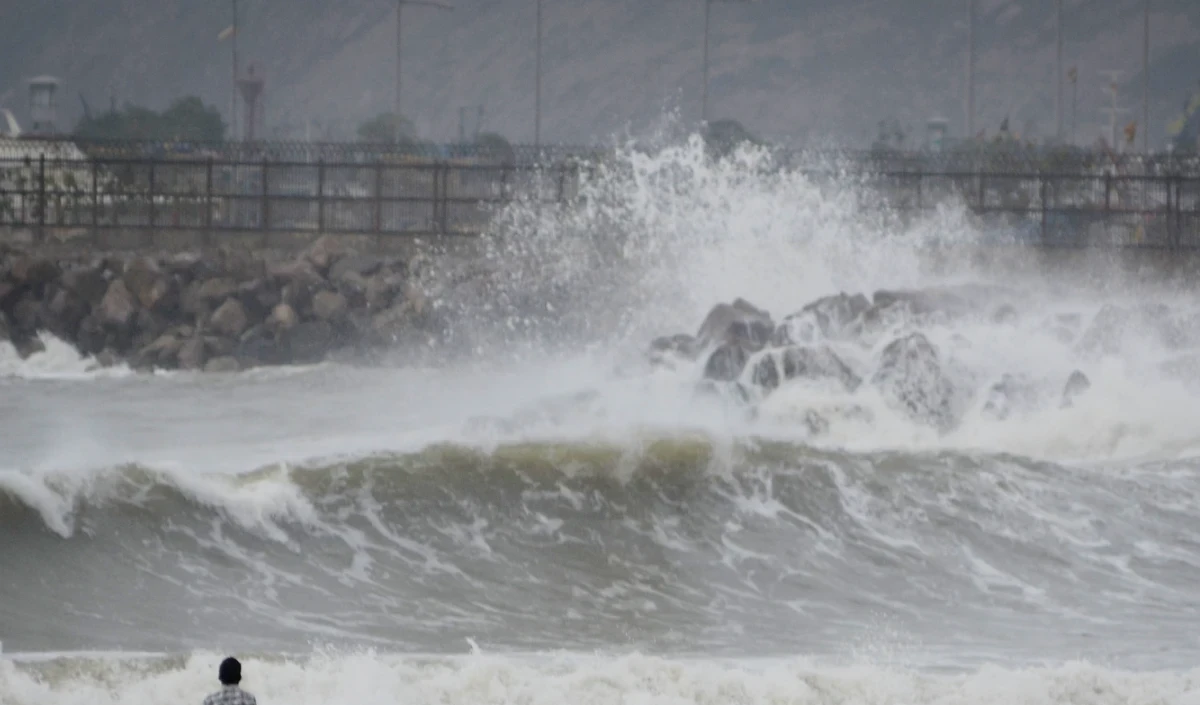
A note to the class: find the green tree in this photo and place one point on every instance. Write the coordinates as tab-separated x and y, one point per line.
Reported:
186	119
387	128
495	147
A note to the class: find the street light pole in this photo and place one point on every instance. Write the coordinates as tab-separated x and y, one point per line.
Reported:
537	100
399	54
970	69
704	99
233	89
1058	97
1146	76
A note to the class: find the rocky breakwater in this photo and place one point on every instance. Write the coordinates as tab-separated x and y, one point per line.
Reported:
851	345
217	312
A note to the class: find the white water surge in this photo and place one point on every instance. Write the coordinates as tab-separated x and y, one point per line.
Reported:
606	533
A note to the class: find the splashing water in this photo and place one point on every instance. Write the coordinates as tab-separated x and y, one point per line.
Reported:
556	491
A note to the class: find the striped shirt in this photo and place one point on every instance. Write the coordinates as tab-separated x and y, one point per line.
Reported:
230	695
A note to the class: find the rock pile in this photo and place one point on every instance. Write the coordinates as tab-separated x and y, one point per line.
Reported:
222	312
742	348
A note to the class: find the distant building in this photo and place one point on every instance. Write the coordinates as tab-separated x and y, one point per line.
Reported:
43	105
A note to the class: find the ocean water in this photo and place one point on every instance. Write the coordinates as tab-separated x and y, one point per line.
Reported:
550	519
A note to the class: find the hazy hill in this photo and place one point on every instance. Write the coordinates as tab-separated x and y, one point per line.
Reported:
786	68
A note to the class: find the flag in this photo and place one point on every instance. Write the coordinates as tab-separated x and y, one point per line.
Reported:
1131	131
226	33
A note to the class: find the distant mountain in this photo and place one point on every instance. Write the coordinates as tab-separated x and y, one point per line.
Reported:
787	69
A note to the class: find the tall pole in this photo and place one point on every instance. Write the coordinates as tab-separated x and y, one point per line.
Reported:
970	69
399	55
233	122
1058	98
704	99
537	110
1146	76
1074	96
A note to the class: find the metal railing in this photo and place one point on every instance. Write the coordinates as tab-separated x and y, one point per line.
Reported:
1057	209
211	194
439	197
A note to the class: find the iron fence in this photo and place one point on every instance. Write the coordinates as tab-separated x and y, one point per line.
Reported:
212	194
440	197
995	156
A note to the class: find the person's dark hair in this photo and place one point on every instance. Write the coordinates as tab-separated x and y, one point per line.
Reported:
231	671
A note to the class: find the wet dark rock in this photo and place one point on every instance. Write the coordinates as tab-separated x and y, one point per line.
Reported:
797	362
192	354
1011	393
230	319
308	342
726	363
740	322
911	376
1077	384
225	363
117	308
668	349
828	317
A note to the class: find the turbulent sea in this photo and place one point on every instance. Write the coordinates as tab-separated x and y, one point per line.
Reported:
549	523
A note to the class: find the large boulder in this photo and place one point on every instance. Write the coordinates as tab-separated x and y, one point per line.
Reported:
163	352
329	306
1011	393
736	331
283	317
258	297
230	319
308	342
224	363
796	362
911	377
829	317
258	346
192	354
1077	384
153	288
739	322
322	253
33	272
726	363
669	349
117	308
357	265
67	311
86	281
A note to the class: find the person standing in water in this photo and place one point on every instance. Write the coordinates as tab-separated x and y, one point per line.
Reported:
231	692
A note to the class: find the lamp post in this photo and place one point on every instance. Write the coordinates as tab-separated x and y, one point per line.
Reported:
1146	76
537	97
233	88
399	36
970	69
707	21
1058	72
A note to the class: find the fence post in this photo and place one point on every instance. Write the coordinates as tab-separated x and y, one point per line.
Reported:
152	194
208	196
266	197
321	195
95	197
42	196
445	200
1042	199
435	222
378	196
